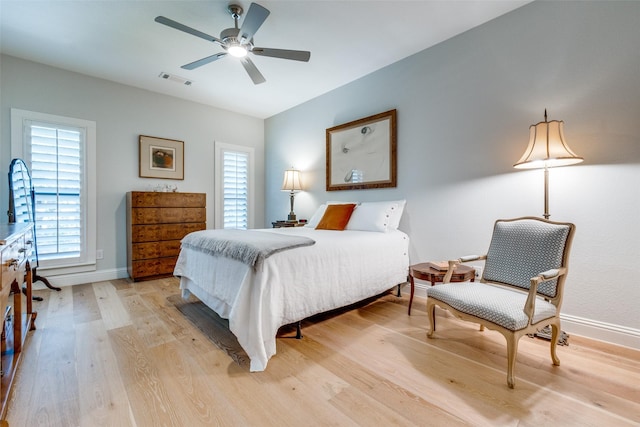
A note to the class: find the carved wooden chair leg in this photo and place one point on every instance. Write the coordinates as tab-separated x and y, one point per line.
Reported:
512	352
431	318
555	332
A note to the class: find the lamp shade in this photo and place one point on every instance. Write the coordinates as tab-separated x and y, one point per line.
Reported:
547	147
291	181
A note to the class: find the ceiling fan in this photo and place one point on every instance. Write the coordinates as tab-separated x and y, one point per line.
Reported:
238	42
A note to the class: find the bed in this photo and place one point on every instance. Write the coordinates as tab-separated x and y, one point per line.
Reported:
337	269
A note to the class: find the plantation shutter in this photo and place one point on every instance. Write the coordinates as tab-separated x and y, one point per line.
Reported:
56	173
235	189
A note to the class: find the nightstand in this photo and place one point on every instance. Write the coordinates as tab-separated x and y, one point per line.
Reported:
281	224
425	271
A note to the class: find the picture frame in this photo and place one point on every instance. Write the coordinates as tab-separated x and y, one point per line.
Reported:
161	158
362	154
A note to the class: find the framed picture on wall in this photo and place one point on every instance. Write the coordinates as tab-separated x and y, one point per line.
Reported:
362	154
161	158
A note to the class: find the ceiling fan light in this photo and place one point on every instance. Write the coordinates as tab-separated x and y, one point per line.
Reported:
237	51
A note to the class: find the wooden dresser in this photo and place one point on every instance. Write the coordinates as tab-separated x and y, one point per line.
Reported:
16	246
156	222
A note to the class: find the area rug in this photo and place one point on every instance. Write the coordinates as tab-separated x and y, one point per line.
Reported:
215	328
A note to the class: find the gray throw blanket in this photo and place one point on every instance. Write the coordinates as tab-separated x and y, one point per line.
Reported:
249	247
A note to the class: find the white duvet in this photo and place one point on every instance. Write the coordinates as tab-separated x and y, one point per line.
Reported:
341	268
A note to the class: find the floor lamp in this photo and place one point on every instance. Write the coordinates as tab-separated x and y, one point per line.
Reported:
547	148
291	184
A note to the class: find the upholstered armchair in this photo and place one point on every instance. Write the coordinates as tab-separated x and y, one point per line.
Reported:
521	288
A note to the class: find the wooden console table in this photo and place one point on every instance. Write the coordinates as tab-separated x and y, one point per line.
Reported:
16	247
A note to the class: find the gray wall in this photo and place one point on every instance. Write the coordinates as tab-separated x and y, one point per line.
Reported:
122	113
464	109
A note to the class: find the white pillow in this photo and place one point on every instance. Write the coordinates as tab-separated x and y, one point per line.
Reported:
394	223
319	213
377	216
317	216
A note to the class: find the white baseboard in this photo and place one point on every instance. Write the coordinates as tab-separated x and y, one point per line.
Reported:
592	329
82	278
601	331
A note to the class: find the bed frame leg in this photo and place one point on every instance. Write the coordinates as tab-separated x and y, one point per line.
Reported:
298	330
399	287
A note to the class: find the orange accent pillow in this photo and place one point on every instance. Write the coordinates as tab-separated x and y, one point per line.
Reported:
336	217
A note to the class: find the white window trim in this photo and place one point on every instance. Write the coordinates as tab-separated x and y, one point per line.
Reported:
18	119
219	148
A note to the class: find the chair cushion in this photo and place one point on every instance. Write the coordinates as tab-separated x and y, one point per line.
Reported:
523	249
502	306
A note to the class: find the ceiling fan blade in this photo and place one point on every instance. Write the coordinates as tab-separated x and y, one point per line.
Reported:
296	55
252	70
181	27
204	61
252	21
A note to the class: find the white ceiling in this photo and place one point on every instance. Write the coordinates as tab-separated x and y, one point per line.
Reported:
119	41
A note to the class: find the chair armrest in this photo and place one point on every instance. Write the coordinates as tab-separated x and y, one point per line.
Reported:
550	274
530	304
454	262
470	258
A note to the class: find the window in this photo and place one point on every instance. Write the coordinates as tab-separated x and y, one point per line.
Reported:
60	152
234	186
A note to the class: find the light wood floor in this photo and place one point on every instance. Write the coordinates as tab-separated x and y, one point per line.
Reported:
119	354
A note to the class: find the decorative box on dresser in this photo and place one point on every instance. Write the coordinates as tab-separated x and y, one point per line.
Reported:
16	246
156	222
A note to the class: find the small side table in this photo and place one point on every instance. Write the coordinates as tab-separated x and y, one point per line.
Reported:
286	224
424	271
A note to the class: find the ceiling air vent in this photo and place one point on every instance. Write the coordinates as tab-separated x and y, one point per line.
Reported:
175	79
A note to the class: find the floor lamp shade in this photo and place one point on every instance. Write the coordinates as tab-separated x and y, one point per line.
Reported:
291	183
547	148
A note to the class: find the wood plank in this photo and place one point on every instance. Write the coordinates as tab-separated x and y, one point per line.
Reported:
113	313
148	397
85	305
187	387
102	397
414	408
54	399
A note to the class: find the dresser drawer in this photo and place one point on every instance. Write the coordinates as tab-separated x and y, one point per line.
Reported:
167	248
12	257
167	200
29	244
4	299
167	215
154	233
154	267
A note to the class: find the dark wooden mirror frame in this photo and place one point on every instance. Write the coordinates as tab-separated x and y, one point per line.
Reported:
347	153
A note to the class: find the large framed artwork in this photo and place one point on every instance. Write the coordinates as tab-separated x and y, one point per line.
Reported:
161	158
362	154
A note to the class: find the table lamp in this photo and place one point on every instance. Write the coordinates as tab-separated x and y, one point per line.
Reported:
291	184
